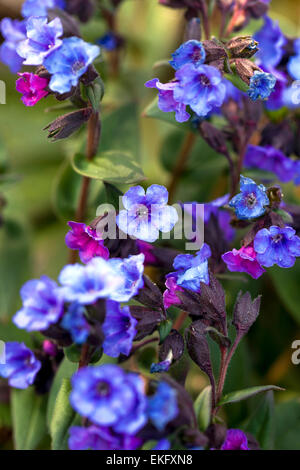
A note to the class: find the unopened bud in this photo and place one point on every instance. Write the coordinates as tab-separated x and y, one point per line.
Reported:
245	69
193	30
242	47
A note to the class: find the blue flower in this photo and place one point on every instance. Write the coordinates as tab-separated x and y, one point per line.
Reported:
192	270
109	396
271	43
13	32
101	438
189	52
86	284
40	8
166	101
75	322
250	203
21	366
146	214
42	39
270	159
261	85
130	270
119	329
162	406
69	62
163	444
277	246
201	88
293	65
162	366
109	41
42	305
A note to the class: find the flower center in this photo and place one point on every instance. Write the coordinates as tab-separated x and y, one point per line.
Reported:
251	200
103	389
204	80
196	55
277	238
142	212
78	65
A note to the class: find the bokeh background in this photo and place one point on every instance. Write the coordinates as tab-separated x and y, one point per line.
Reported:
38	195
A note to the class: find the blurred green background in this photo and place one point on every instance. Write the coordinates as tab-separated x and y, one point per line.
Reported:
41	195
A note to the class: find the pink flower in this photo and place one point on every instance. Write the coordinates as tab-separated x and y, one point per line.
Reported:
170	297
32	87
147	250
85	239
244	261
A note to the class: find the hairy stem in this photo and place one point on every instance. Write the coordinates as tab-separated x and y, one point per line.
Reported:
181	162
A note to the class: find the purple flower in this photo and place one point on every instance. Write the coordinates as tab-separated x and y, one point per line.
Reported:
147	251
42	40
40	8
69	62
189	52
163	444
192	270
293	65
235	440
277	98
146	214
162	406
50	348
131	272
13	32
277	246
86	284
271	43
32	87
85	239
101	438
21	366
224	218
166	101
170	297
109	396
75	322
201	88
251	201
162	366
261	85
243	261
119	329
270	159
42	305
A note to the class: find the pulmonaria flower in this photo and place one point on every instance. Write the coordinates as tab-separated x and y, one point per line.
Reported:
109	396
119	329
243	261
147	250
235	440
110	41
169	295
189	52
86	284
270	159
277	246
50	348
201	88
131	271
162	406
261	85
162	366
100	438
21	366
146	214
271	43
75	322
69	62
42	39
14	32
40	8
192	270
250	203
85	239
42	305
293	65
166	100
32	87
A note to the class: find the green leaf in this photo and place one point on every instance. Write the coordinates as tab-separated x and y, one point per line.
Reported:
202	408
73	352
63	417
237	81
261	423
286	282
239	395
65	371
164	329
29	418
287	425
153	111
112	167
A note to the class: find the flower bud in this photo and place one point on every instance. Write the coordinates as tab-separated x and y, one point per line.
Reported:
245	69
214	51
66	125
242	47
